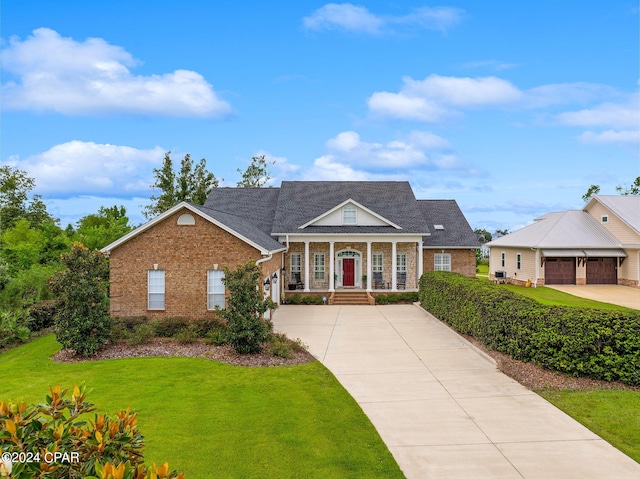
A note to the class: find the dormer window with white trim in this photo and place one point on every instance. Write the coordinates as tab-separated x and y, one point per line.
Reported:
349	215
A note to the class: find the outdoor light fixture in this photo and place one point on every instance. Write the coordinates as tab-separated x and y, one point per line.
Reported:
267	284
274	278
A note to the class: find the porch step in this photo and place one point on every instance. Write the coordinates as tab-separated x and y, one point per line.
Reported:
350	297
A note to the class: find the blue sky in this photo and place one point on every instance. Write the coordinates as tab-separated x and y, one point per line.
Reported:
511	108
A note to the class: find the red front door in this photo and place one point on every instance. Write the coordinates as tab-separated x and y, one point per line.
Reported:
348	268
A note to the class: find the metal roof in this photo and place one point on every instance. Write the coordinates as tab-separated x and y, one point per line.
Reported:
561	230
625	207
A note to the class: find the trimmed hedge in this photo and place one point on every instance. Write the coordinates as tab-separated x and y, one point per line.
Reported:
577	341
392	298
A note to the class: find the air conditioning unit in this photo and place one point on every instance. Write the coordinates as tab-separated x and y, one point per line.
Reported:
500	274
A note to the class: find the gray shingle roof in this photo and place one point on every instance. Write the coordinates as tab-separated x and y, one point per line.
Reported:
302	201
456	231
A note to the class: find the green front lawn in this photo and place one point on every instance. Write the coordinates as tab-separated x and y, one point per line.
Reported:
614	415
558	298
214	420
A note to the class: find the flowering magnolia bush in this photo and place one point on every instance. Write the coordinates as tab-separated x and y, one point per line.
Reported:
53	441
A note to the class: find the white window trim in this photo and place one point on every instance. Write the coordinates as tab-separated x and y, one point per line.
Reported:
377	268
156	293
293	266
213	297
503	259
351	208
519	261
401	266
439	263
604	219
319	268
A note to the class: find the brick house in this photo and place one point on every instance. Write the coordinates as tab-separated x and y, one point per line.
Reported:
309	238
599	244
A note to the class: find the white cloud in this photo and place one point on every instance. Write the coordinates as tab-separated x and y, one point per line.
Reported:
436	97
615	115
611	136
87	168
343	16
93	77
354	18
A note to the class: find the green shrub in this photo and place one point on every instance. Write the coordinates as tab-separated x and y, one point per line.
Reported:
246	327
188	335
82	322
104	447
170	327
279	345
598	343
393	298
217	337
42	315
13	329
306	299
141	334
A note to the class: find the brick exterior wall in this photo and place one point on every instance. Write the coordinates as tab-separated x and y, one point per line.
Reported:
185	253
463	261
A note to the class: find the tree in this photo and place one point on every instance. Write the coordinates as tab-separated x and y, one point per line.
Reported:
96	231
15	186
593	190
189	184
486	235
633	190
82	323
502	232
257	173
246	327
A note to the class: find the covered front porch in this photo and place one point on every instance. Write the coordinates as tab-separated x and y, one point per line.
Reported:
321	266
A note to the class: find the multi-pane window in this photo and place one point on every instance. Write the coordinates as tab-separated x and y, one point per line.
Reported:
518	261
442	262
376	262
155	289
295	262
318	267
215	289
401	262
503	258
349	214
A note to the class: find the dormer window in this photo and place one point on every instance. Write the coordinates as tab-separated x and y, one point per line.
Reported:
349	214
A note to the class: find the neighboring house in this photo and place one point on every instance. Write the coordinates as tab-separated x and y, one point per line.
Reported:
599	244
308	237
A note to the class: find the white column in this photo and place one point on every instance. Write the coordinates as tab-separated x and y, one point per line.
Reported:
394	266
332	267
369	267
306	267
420	262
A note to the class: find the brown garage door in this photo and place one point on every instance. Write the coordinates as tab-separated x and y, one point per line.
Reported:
560	271
602	271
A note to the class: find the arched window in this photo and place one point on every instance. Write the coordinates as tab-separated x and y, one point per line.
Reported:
186	219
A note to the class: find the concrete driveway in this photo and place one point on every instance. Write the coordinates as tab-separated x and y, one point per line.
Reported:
440	405
606	293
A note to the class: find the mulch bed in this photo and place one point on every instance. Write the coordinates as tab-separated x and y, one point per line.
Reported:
168	347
